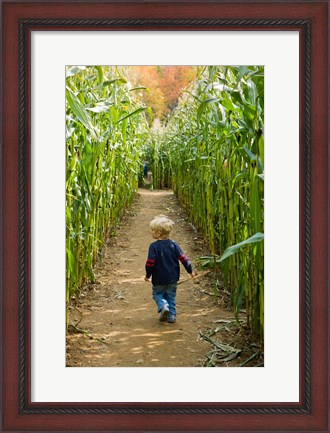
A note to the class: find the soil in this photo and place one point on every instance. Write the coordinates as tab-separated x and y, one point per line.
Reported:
114	321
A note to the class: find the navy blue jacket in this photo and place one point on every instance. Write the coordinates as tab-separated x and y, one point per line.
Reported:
163	262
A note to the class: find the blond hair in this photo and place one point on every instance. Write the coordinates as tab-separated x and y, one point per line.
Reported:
162	225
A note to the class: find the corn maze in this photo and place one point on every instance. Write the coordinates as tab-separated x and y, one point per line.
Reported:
210	151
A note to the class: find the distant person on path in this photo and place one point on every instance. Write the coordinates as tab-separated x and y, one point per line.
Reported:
145	169
162	264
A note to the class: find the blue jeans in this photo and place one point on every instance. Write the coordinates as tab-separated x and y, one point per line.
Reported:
165	296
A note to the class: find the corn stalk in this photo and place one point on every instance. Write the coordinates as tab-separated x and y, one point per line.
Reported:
105	126
215	147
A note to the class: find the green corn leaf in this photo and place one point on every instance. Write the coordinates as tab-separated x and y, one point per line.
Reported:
80	111
139	110
139	88
100	74
254	158
258	237
203	105
228	104
109	82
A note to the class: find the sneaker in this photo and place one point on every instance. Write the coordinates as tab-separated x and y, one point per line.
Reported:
164	312
171	319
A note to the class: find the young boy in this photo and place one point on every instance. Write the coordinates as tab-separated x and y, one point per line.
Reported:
163	265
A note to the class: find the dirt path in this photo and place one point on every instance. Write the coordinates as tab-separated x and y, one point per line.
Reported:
117	314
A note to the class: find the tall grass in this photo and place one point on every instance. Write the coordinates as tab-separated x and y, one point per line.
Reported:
105	126
214	149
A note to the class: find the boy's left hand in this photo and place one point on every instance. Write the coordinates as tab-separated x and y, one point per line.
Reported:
146	279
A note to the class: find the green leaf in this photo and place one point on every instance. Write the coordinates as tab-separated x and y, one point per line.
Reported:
250	114
71	262
139	110
139	88
254	158
80	111
109	82
258	237
239	293
228	104
100	73
203	105
242	70
250	153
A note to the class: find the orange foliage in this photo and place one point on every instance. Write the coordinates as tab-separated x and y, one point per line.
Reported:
165	84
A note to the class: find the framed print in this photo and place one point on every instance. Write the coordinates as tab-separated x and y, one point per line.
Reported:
40	41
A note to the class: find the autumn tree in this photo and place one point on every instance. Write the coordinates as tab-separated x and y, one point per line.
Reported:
164	86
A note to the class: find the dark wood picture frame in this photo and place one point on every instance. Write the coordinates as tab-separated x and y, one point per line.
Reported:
19	19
